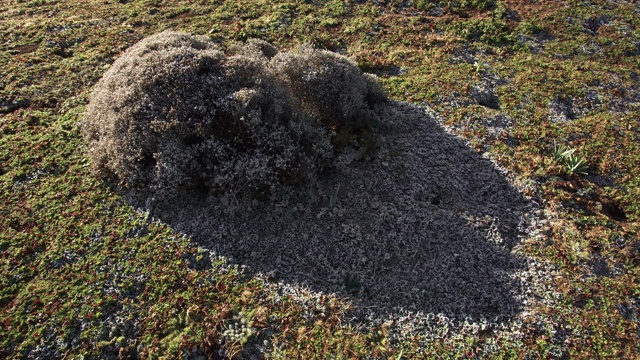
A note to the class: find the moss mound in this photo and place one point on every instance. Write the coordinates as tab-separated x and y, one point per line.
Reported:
178	113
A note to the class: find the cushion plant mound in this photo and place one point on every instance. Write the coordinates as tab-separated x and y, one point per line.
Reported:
328	85
177	113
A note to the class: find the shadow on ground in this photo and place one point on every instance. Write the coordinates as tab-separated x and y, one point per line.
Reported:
426	225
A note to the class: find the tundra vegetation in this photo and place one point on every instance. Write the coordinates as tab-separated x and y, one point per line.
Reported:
550	91
175	114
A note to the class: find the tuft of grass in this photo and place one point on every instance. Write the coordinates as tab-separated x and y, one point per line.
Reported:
573	163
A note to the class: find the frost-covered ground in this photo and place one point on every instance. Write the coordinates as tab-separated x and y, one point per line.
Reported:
422	234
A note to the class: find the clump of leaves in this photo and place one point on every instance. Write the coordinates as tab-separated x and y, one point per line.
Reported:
574	164
237	331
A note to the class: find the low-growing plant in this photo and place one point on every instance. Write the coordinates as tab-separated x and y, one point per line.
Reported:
576	165
177	113
479	66
492	31
237	331
565	156
330	87
560	151
529	28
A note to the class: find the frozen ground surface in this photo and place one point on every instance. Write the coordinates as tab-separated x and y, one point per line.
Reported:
422	233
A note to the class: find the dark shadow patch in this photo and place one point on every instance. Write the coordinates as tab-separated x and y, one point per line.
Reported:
7	106
513	15
598	266
180	15
596	202
48	103
63	48
545	36
613	210
630	310
425	225
592	24
484	95
563	110
24	49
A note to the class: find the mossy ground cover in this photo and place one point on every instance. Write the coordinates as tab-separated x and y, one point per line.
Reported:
85	274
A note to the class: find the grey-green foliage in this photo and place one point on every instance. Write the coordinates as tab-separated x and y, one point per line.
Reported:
175	112
238	329
327	85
